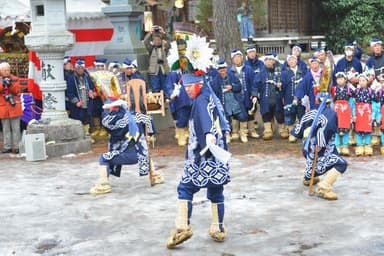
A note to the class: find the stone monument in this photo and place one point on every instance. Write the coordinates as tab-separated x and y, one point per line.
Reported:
124	15
50	39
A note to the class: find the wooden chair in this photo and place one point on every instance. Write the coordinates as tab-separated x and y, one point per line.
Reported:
153	103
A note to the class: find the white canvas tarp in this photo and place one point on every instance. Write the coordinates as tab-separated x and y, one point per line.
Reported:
93	30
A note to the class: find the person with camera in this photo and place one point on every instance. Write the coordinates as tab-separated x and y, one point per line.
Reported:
10	109
158	44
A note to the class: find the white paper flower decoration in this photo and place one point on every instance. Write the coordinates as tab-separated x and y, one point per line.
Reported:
199	53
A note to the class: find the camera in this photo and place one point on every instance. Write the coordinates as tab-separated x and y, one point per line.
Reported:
9	97
7	82
156	28
160	61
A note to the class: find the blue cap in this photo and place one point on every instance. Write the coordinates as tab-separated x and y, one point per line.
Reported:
319	50
271	55
235	52
66	59
297	46
100	61
375	41
349	45
364	75
221	64
251	48
190	79
80	63
341	74
291	56
127	63
114	64
313	59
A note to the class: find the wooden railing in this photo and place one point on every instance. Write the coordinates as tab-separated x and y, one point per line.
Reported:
281	45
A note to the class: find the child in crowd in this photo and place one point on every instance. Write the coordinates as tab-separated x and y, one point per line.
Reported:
362	116
375	86
343	105
380	99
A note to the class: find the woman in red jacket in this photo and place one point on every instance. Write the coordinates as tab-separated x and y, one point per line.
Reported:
10	109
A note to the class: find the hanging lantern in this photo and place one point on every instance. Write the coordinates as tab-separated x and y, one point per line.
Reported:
179	4
148	22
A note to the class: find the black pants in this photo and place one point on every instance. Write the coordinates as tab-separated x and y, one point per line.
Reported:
279	115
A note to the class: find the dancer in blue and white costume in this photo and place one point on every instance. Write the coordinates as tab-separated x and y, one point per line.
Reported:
329	163
127	145
202	169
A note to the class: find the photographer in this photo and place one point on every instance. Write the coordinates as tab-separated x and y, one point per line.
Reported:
158	44
10	109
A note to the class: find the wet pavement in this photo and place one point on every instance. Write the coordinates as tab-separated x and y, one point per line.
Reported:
46	208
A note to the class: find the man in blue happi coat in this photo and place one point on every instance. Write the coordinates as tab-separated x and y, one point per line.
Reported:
270	94
302	66
349	64
257	66
321	142
290	79
127	145
228	90
80	94
203	166
308	87
248	94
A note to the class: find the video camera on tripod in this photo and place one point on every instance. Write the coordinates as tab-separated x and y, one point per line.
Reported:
7	83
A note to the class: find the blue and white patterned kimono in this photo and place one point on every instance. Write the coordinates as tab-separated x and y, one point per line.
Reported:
204	170
124	149
324	136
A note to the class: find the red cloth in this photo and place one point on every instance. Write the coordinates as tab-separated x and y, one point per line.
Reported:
6	109
34	75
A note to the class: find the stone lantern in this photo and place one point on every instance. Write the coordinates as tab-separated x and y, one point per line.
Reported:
50	39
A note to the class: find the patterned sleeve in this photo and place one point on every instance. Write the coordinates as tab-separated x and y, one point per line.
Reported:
322	133
305	122
206	108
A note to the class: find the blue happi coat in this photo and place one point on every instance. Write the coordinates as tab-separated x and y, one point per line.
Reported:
256	65
180	101
248	85
204	170
73	95
231	104
267	87
344	66
306	88
290	82
124	149
324	136
300	63
376	62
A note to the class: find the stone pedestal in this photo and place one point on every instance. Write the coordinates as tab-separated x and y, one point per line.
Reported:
62	137
124	15
50	39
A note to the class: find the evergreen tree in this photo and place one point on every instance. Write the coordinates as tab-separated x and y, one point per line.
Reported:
345	20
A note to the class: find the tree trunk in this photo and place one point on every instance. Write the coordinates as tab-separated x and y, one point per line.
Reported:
226	28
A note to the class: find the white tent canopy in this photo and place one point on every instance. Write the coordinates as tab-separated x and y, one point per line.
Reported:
83	17
11	11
